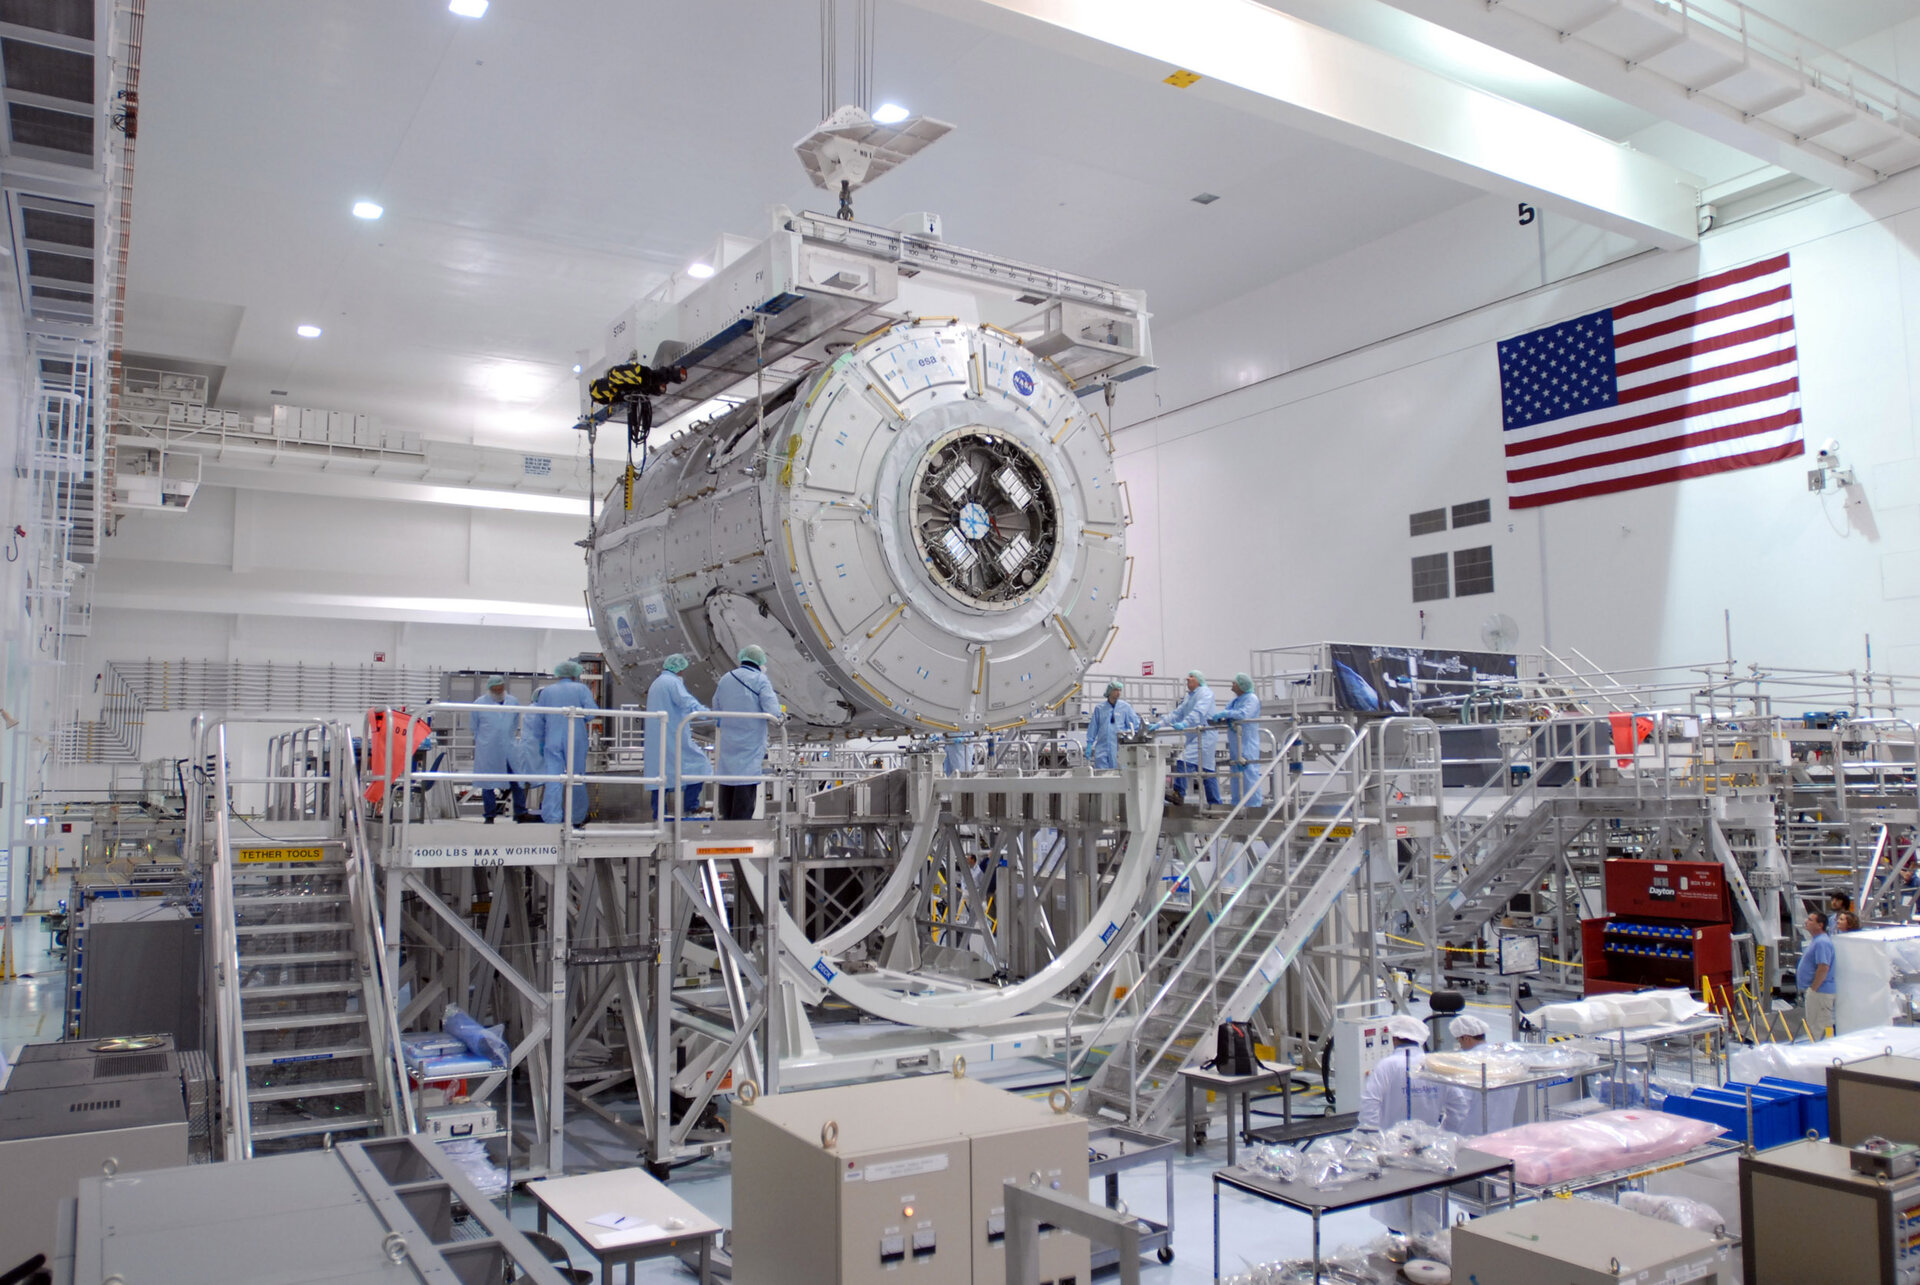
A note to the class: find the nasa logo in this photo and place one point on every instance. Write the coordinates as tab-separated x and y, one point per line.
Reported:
1023	383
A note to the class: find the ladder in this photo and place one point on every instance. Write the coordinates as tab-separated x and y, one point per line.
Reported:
1236	939
304	1033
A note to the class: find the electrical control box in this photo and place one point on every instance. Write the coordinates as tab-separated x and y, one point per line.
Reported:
1585	1242
1360	1040
898	1183
1668	923
1808	1216
1876	1097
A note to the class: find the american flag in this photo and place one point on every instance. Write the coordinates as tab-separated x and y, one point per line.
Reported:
1700	378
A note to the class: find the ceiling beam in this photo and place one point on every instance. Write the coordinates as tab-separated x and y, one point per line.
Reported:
1328	84
247	601
1688	87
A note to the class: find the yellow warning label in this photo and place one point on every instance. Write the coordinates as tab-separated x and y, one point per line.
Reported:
1339	831
1182	78
259	856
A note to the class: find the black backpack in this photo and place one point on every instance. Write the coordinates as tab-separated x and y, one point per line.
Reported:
1233	1050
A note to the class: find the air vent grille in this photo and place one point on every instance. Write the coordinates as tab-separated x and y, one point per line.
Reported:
59	267
44	70
55	131
116	1066
98	1104
62	17
56	228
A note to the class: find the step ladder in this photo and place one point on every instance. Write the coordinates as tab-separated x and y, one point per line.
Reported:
1235	942
304	1037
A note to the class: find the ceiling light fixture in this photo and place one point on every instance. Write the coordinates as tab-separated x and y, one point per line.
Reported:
1205	198
890	114
467	8
367	210
307	332
576	367
700	271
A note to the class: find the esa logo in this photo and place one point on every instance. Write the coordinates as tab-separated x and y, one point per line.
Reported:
1023	383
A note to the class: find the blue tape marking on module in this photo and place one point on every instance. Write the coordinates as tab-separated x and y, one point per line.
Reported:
826	973
1107	936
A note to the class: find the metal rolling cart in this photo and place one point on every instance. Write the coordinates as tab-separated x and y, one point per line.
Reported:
1113	1150
1469	1166
1538	1083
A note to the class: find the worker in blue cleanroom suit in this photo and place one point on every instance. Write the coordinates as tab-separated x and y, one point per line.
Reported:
959	755
1194	711
562	738
492	734
741	743
1111	717
669	696
1243	740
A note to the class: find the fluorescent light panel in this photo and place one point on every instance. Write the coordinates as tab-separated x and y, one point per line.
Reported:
367	210
890	114
308	332
700	271
467	8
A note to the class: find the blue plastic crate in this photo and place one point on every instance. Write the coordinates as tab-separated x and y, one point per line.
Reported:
1813	1102
1776	1118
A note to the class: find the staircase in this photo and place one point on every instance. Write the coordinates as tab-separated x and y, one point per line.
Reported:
306	1046
1521	852
1236	940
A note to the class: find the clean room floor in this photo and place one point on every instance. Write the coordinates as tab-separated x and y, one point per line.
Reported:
1251	1231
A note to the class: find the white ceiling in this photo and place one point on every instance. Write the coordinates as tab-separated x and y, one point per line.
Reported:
543	166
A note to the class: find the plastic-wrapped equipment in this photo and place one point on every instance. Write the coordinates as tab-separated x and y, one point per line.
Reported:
1694	1214
1338	1160
471	1155
1504	1064
1277	1161
1613	1012
432	1056
1564	1056
1808	1063
1415	1144
1868	966
479	1040
1555	1151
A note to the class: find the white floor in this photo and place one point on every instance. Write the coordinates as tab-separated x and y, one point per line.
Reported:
1251	1231
31	1005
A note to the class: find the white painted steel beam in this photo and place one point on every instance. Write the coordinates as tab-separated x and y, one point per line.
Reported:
1750	97
1339	88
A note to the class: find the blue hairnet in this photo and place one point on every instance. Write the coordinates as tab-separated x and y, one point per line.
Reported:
675	663
754	654
567	669
1196	676
498	680
1116	686
1242	682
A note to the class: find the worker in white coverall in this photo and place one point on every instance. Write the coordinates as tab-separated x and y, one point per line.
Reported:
1393	1094
1464	1112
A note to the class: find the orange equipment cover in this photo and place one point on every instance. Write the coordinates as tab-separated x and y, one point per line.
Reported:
392	737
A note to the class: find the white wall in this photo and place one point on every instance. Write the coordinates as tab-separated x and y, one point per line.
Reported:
1276	512
248	575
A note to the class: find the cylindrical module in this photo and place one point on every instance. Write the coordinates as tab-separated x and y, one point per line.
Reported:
925	535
